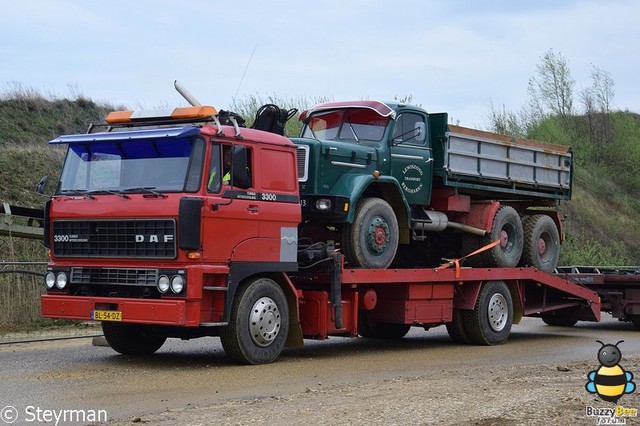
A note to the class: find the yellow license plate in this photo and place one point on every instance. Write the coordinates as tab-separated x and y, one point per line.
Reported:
106	315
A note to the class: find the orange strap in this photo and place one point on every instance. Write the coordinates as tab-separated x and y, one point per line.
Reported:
456	262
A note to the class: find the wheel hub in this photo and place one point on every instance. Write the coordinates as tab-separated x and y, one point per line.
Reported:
498	312
378	235
265	321
542	246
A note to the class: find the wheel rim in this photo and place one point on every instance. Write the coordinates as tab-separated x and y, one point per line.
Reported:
498	312
507	238
265	321
377	235
544	244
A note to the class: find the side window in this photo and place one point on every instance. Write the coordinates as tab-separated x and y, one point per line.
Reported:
216	171
410	128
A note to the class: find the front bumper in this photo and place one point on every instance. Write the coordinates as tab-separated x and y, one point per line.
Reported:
141	311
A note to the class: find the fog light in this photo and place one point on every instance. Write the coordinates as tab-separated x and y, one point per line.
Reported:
61	280
50	279
323	204
177	284
163	283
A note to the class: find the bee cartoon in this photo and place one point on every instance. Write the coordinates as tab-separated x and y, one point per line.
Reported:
610	381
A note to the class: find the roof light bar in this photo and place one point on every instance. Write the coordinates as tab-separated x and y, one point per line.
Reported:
181	113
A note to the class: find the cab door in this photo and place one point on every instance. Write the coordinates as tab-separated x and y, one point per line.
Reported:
411	157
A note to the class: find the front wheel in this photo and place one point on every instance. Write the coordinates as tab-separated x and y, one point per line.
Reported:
258	325
489	323
371	241
132	339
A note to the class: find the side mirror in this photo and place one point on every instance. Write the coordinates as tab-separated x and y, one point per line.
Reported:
42	185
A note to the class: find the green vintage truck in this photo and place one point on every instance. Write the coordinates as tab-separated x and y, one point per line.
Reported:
396	186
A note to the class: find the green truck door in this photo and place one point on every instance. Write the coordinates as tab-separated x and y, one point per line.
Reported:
411	157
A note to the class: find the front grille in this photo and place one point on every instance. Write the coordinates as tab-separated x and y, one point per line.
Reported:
119	276
302	154
141	238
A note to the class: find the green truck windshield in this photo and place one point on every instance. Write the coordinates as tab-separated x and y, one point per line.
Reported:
349	125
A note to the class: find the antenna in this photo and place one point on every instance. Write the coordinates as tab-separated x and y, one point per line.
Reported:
245	72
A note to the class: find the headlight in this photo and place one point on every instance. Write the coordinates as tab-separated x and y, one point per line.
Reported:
163	283
177	284
50	279
61	280
323	204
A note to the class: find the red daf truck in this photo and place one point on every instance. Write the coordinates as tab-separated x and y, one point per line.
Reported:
173	224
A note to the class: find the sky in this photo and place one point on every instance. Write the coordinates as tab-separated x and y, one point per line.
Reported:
450	56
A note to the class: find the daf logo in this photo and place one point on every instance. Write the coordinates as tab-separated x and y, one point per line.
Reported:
153	238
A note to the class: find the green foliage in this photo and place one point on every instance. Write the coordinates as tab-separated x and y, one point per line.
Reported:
248	107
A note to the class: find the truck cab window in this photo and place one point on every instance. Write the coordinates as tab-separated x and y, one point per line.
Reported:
215	170
410	128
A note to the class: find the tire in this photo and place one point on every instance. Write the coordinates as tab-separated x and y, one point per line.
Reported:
380	330
258	325
132	339
489	323
635	319
559	322
541	243
371	241
456	329
506	227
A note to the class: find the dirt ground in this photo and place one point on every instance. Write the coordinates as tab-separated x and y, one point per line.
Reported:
528	395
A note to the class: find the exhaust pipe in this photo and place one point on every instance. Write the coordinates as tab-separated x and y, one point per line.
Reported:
186	94
439	222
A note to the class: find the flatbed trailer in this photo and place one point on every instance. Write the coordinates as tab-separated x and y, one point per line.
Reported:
478	305
618	288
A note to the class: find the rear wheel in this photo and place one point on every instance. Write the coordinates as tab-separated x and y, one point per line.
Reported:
541	243
635	319
559	322
456	328
506	227
489	323
371	241
132	339
380	330
258	325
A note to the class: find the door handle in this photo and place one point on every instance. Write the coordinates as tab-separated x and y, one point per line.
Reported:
253	209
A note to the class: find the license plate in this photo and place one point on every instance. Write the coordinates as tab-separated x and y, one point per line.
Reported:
106	315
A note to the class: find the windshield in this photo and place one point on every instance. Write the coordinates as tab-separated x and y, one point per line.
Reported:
352	125
164	165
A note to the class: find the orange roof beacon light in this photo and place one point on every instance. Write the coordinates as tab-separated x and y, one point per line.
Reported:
182	113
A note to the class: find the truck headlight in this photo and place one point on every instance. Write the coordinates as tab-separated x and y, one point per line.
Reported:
323	204
163	283
61	280
177	284
50	280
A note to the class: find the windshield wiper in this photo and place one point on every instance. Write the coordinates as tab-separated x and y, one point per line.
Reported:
109	191
147	189
70	192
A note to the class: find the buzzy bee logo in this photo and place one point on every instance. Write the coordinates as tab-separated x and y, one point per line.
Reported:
610	382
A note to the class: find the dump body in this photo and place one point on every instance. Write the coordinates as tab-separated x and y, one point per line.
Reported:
490	163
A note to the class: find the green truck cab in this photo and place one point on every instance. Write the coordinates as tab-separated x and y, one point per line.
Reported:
393	184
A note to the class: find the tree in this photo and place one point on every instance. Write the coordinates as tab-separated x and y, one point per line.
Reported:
597	101
552	88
